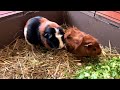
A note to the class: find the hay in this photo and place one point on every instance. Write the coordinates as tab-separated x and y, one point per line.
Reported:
18	61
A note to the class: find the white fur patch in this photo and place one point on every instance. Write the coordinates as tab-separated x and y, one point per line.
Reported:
61	45
25	34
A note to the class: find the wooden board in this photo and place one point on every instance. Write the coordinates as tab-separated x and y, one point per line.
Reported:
112	15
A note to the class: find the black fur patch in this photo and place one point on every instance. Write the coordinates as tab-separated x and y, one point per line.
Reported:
33	34
62	33
49	34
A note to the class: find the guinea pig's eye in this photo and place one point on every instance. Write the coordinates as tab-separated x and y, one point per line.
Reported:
69	37
94	49
61	32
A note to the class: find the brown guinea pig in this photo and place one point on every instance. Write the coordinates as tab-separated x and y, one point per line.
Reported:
80	43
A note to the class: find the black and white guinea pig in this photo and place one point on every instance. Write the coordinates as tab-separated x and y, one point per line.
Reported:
41	31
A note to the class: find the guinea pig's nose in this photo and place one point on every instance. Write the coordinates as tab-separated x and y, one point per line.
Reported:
62	47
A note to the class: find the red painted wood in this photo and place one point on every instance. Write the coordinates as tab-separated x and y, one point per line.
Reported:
6	13
112	15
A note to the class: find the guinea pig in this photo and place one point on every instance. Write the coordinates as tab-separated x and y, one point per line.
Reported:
41	31
80	43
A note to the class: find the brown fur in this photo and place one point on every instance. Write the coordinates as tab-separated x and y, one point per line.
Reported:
80	43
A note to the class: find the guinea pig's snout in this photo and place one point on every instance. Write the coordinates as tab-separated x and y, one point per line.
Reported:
62	46
99	52
61	42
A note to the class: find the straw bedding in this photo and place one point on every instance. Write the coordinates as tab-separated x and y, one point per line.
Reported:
19	61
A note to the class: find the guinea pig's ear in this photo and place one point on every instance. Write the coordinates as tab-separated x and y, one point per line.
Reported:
61	30
88	45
